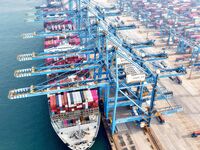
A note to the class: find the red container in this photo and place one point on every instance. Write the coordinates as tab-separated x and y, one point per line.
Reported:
75	40
65	99
49	60
52	102
94	95
195	36
95	105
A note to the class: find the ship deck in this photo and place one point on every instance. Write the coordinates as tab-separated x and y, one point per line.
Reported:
72	136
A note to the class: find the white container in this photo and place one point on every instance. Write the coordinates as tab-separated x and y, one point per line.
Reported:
60	100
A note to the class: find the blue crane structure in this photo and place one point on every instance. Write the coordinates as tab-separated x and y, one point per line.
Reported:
123	77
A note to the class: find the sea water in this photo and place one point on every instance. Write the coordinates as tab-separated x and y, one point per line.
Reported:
25	123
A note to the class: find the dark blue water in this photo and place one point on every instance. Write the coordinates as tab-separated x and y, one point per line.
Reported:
24	123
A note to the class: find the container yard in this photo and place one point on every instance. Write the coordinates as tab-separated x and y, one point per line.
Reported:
132	65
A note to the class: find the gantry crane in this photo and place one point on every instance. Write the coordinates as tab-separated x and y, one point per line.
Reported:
116	69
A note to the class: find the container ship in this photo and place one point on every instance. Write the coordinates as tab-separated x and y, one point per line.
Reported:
74	115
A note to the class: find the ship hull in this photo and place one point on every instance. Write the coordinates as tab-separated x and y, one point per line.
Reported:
85	141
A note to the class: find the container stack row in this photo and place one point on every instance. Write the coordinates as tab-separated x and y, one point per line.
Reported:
182	16
72	101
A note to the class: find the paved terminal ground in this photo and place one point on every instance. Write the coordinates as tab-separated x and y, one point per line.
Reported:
175	134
